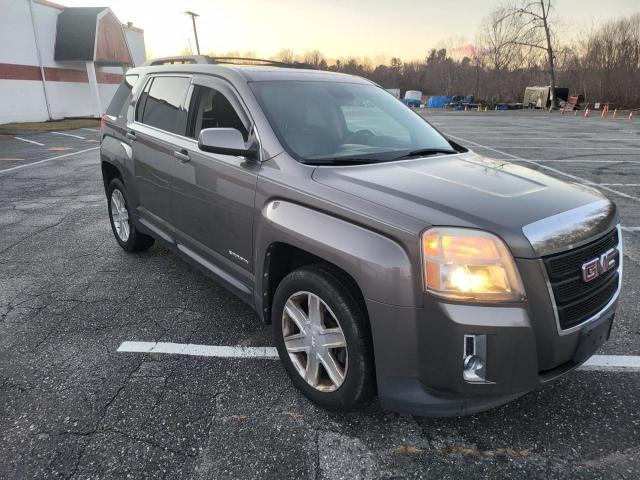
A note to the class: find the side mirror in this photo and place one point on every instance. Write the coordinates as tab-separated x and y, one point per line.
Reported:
226	141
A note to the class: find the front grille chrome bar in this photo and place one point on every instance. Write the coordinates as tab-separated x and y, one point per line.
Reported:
571	229
602	311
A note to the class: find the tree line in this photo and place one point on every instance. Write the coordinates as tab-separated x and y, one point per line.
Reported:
604	66
517	46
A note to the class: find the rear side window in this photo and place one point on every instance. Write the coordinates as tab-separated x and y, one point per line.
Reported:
161	104
122	95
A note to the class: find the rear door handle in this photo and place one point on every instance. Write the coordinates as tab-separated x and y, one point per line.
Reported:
182	155
131	135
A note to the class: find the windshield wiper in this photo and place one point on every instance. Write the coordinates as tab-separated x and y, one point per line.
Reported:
343	161
423	152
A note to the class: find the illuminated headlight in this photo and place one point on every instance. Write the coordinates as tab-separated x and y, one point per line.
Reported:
467	264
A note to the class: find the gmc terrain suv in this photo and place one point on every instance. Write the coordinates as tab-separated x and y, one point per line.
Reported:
385	256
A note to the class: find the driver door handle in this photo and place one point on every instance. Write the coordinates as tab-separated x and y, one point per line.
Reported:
182	155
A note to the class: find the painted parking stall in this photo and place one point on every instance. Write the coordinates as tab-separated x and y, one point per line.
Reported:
117	365
19	151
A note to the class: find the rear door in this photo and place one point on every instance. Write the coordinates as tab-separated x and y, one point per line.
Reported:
214	193
155	134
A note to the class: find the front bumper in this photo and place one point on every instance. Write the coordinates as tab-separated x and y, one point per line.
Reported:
419	354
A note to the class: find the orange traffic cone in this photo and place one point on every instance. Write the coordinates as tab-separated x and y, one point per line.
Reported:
586	113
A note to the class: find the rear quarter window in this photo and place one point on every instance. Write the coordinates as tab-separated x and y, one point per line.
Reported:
122	96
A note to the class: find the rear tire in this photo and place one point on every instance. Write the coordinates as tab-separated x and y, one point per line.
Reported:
127	236
334	377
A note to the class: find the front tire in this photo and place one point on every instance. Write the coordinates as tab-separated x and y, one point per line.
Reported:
323	338
127	236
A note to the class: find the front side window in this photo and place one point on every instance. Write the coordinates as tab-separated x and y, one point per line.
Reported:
160	104
209	108
333	122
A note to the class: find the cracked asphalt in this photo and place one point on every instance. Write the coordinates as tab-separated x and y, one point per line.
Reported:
71	406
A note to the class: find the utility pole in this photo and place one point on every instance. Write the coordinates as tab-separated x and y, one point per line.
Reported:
193	16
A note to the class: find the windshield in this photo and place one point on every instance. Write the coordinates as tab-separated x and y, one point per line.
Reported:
332	122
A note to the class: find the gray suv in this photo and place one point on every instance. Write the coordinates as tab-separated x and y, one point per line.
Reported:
387	257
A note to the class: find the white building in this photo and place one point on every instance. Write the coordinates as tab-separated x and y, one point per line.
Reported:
58	62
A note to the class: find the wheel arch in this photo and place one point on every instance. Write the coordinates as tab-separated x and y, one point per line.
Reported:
282	258
109	172
290	235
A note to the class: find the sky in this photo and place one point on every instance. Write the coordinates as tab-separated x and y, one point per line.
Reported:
377	29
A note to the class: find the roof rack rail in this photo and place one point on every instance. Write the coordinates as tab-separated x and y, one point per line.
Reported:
258	61
178	60
205	59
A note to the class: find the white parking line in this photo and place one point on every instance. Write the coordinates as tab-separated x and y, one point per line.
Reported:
548	133
551	169
268	353
90	129
627	363
631	229
69	135
20	167
562	147
616	363
564	139
577	160
29	141
619	184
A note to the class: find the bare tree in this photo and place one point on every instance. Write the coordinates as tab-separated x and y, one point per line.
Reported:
532	24
313	58
498	41
285	55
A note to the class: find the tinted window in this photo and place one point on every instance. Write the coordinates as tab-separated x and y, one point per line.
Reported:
142	100
122	95
162	107
330	121
209	108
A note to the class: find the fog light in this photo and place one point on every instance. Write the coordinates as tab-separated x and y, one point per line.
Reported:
473	363
474	359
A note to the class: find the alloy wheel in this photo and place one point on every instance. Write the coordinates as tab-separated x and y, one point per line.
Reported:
120	215
314	341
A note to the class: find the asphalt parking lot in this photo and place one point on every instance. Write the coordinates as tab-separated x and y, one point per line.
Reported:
73	406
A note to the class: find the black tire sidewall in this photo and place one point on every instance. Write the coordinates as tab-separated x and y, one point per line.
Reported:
358	384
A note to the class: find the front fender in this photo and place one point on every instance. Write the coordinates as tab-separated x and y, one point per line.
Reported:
379	265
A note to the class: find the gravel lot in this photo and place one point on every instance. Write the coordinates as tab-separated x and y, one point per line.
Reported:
72	406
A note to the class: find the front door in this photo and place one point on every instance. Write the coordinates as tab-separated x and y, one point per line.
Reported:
214	194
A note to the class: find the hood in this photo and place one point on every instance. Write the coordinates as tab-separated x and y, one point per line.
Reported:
466	190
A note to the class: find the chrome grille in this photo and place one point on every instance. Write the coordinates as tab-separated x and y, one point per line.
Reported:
575	299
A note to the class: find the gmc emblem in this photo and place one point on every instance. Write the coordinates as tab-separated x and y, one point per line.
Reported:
596	267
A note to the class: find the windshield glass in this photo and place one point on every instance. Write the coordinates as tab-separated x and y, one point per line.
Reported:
333	122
